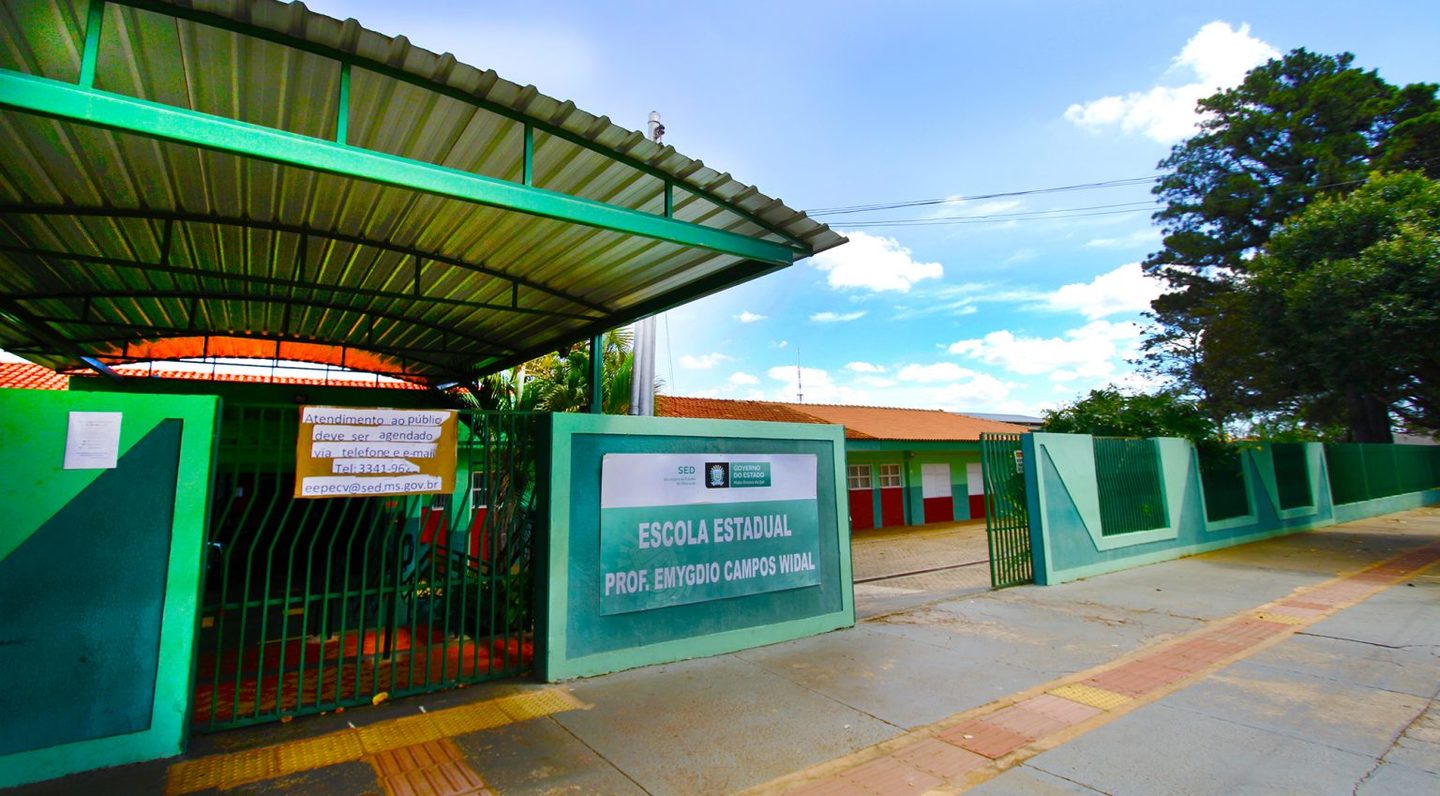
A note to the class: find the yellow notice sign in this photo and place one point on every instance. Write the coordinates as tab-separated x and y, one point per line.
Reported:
349	452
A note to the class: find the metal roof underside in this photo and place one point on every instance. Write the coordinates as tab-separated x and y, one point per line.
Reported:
248	178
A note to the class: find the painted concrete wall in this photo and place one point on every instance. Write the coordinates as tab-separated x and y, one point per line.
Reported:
99	578
1068	540
579	639
912	457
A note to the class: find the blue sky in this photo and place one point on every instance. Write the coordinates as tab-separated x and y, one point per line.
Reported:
845	103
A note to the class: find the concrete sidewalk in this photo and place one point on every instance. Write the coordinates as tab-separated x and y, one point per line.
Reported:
1308	664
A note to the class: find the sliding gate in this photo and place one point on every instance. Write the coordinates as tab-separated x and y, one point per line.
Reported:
312	605
1007	516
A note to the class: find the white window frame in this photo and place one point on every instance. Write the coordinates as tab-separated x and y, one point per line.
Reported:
857	476
891	476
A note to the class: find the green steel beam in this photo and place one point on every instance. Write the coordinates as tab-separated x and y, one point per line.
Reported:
142	333
304	232
596	386
527	168
342	115
299	284
147	333
799	248
720	280
259	298
90	56
103	109
42	330
370	313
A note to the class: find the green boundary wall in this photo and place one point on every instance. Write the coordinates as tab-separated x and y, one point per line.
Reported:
100	574
576	640
1067	537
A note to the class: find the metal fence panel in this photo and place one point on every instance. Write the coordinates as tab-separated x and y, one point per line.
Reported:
1222	480
1292	475
1127	472
312	605
1007	516
1365	471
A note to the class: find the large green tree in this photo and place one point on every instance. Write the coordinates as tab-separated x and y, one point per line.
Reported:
1344	302
1111	413
1297	128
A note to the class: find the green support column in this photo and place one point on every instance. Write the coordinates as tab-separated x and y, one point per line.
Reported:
597	375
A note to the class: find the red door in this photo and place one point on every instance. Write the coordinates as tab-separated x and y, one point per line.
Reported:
862	509
892	507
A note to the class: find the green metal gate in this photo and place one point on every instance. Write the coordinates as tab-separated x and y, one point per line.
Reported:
312	605
1007	517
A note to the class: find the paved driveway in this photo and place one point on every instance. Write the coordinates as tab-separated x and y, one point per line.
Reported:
900	568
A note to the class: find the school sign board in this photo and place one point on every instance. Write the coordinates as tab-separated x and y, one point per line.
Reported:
348	452
681	528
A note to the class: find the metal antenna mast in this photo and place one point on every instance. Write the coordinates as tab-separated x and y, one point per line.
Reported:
642	373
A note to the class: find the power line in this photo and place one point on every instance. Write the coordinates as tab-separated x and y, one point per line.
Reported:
1084	186
1058	212
1087	186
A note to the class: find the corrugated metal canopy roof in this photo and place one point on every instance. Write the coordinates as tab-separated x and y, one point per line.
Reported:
248	178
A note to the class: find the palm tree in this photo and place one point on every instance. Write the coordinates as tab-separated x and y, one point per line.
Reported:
560	382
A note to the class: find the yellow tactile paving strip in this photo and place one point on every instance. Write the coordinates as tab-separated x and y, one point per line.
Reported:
1090	695
226	771
969	748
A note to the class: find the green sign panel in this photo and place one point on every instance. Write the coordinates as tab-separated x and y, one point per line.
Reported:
686	528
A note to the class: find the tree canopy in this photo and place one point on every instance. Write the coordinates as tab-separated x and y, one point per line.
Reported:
1111	413
1298	129
560	382
1345	301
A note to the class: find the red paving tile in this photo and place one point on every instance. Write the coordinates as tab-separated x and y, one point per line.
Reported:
1065	711
984	738
1136	678
1311	604
830	786
1028	723
941	759
890	776
433	768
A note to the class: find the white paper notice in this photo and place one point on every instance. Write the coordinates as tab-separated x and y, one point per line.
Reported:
93	442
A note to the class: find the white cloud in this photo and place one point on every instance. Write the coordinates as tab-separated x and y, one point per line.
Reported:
837	317
1217	57
1126	289
958	206
741	377
978	393
704	361
875	263
1095	351
929	374
816	384
749	317
865	367
1144	237
780	344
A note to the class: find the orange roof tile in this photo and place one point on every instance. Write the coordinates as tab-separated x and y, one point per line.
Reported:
29	376
861	422
895	423
726	409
